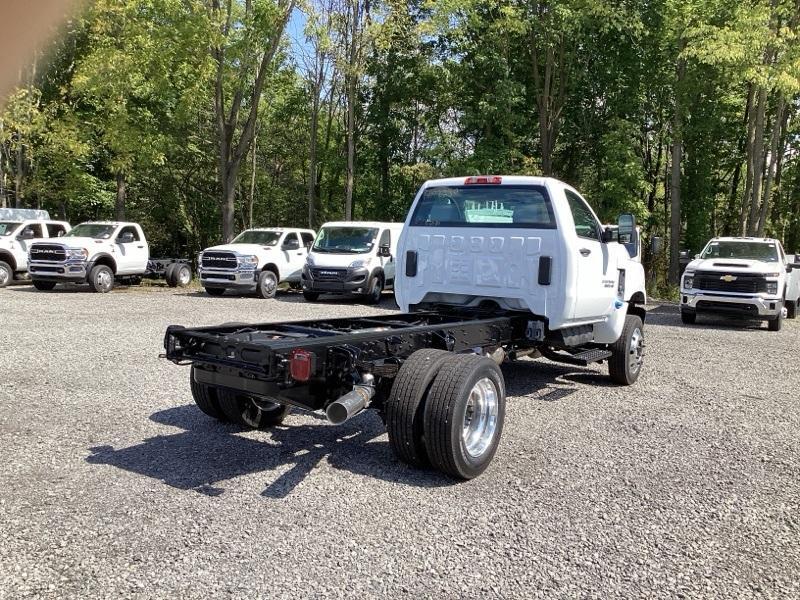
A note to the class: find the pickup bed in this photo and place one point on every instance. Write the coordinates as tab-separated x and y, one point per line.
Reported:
490	269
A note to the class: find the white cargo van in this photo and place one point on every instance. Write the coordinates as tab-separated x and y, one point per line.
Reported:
351	257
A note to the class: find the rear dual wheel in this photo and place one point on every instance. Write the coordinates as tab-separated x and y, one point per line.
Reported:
447	410
246	410
178	275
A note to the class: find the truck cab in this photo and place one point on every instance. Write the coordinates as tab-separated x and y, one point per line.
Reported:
257	260
16	237
746	277
356	258
98	253
517	243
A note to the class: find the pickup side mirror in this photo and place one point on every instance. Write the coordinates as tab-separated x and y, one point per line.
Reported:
291	244
125	238
385	251
696	256
626	227
27	234
790	266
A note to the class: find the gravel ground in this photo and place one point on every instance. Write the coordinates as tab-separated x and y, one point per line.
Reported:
112	484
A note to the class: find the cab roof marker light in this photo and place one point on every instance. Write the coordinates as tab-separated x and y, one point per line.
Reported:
484	180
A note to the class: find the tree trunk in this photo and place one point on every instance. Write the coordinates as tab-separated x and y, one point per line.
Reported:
252	182
733	211
122	194
675	183
758	161
351	108
312	145
773	161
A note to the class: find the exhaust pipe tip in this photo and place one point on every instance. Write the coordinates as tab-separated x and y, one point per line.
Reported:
337	413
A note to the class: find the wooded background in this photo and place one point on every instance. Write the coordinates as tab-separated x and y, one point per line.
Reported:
199	118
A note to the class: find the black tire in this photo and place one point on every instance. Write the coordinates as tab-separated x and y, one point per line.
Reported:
169	275
267	285
447	410
242	409
6	274
205	396
776	323
43	286
311	296
627	353
212	291
373	296
101	279
791	309
405	407
688	317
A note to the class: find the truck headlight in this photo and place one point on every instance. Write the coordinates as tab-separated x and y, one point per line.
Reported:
81	253
688	281
248	261
772	288
357	264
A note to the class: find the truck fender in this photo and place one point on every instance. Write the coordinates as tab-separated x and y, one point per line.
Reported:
7	257
274	268
102	259
378	271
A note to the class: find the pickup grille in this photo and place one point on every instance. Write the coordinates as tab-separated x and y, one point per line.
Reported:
326	274
739	283
48	252
220	260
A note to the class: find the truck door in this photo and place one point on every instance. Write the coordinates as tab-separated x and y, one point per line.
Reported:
30	233
131	251
294	253
596	281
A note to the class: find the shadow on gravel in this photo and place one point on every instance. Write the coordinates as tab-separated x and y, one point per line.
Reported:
546	381
209	452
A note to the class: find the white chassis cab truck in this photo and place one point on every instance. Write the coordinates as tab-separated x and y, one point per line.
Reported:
746	277
489	269
100	254
257	260
19	228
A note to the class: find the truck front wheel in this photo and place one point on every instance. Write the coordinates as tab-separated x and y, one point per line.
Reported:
43	286
776	323
688	317
101	279
373	296
6	274
212	291
267	284
250	412
791	309
464	415
405	407
627	353
311	296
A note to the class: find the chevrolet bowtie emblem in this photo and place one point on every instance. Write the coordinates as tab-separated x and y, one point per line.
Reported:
728	278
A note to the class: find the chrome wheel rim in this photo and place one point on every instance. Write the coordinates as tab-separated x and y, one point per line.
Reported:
636	351
103	280
5	276
184	276
480	418
270	284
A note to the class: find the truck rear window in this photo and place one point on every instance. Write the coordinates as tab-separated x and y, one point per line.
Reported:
498	206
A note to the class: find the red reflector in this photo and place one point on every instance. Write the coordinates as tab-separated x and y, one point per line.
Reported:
484	180
300	364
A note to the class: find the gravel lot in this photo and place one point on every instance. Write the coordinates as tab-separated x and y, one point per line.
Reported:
112	484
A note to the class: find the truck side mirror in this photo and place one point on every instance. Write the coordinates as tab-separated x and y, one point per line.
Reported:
125	238
291	244
626	226
27	234
385	251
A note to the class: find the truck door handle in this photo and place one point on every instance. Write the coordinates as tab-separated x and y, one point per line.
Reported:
585	252
299	254
140	246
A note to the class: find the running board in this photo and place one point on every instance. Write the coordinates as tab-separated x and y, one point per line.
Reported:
583	359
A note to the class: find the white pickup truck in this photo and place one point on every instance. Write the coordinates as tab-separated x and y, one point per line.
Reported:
19	228
747	277
100	254
489	269
256	260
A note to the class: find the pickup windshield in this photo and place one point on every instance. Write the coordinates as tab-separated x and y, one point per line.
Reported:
92	230
500	206
262	238
345	240
746	250
8	227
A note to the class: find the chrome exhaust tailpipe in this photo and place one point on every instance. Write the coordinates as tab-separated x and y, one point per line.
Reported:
352	403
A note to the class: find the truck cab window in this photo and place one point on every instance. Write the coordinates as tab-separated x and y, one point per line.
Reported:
56	230
308	239
586	225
